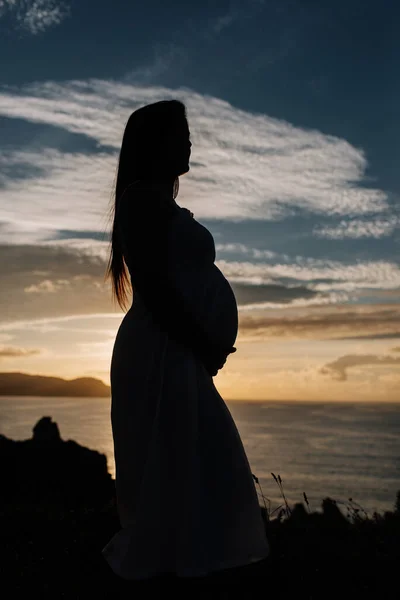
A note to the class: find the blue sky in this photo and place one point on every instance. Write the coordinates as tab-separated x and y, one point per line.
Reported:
293	108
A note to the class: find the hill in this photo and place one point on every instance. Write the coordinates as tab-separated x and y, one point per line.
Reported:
22	384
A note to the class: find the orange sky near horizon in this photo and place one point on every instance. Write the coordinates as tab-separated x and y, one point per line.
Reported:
263	368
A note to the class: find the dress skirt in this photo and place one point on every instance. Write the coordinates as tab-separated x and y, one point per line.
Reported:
186	497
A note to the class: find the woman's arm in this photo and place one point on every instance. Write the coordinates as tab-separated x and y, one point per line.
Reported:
143	222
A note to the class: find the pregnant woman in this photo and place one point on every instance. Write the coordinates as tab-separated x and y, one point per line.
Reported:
186	498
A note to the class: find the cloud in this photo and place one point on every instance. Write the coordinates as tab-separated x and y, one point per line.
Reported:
238	10
37	214
34	16
323	322
358	228
225	21
47	286
61	279
166	57
5	337
10	352
372	336
238	248
46	324
57	279
270	294
321	275
245	165
338	368
50	281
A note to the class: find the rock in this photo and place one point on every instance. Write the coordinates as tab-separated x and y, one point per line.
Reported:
46	430
48	470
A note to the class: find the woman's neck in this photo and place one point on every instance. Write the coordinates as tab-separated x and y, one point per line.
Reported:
161	183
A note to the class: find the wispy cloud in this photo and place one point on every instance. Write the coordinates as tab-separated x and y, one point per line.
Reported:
321	275
338	368
324	322
245	166
273	295
238	248
10	352
5	337
50	281
358	228
40	209
225	20
166	57
35	16
61	278
71	276
47	286
51	324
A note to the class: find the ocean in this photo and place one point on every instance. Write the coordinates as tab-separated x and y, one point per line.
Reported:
340	450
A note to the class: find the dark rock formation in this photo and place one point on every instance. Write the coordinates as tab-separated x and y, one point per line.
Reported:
46	430
48	470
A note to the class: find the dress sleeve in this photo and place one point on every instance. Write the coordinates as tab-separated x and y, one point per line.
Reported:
143	223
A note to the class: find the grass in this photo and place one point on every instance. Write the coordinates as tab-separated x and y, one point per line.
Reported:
354	511
55	552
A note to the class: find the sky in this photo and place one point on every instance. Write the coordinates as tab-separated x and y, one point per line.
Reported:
294	119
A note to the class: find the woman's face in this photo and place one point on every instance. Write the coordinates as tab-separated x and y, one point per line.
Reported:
180	149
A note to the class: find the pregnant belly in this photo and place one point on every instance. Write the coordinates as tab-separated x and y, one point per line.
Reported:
211	299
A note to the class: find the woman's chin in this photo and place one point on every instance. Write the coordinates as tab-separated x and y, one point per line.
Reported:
185	169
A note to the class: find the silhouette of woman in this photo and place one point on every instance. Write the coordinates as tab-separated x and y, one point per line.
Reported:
186	498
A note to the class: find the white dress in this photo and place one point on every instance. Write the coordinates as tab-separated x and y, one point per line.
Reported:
186	497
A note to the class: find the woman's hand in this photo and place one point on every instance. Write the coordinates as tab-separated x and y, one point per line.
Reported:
214	362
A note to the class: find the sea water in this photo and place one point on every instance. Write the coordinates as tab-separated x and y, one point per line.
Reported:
337	450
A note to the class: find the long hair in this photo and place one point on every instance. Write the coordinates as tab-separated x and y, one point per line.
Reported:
144	155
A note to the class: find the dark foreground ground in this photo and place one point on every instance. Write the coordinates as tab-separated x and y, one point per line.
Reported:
57	512
53	553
